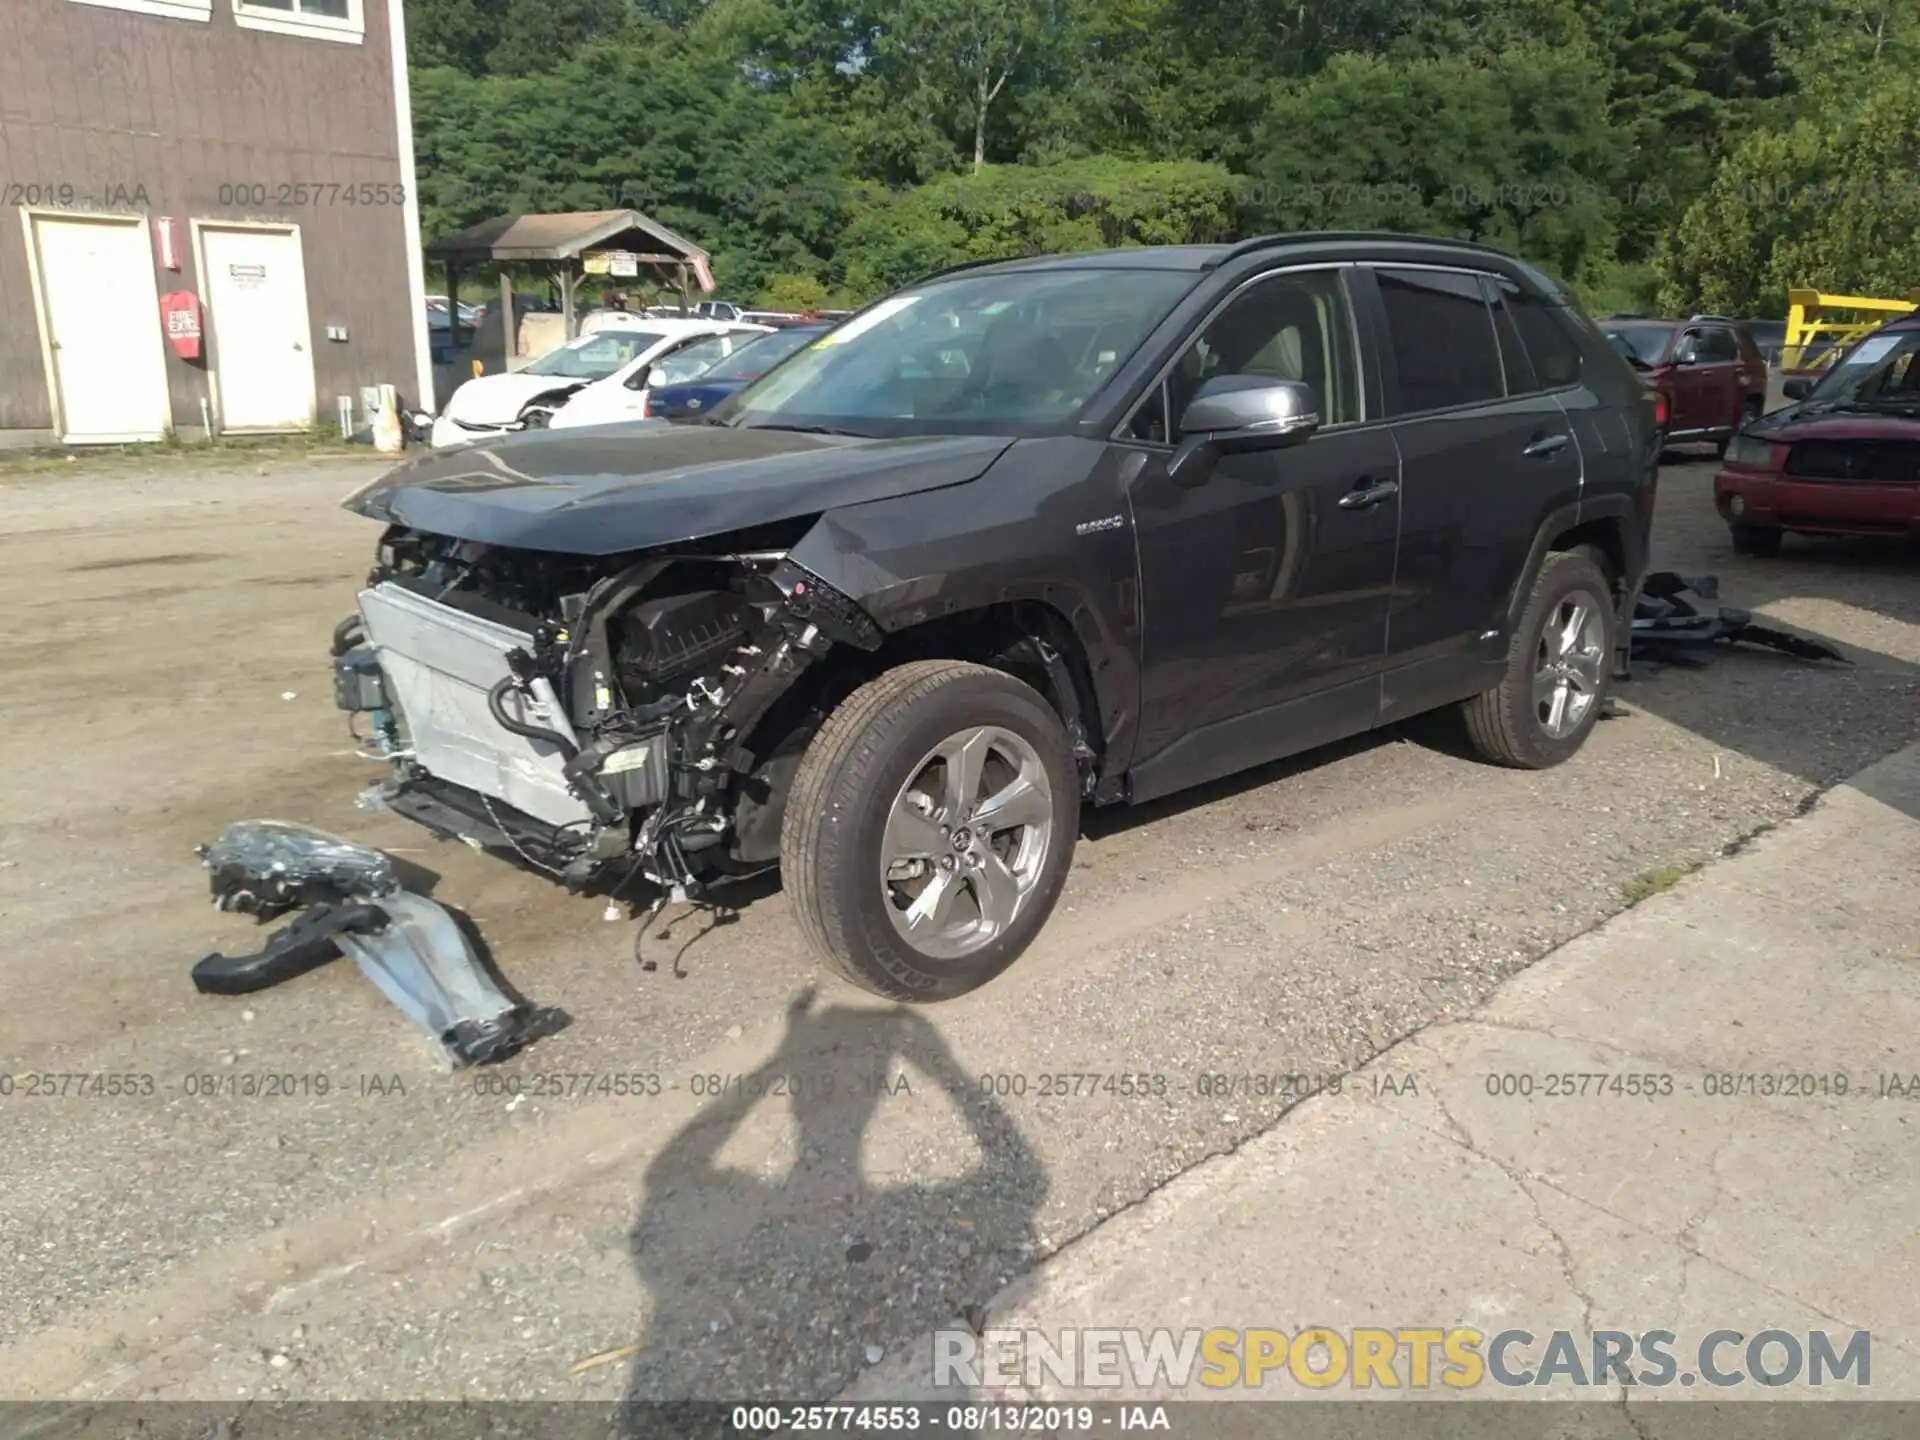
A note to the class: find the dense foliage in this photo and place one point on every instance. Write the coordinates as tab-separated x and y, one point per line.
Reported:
1680	153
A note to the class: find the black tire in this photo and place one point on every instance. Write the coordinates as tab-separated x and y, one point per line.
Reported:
1760	541
830	840
1504	724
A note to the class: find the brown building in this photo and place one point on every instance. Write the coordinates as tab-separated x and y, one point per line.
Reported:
217	221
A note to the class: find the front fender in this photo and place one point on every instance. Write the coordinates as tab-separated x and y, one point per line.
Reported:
1049	523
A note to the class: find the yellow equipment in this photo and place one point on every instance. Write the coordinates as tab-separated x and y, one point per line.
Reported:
1838	320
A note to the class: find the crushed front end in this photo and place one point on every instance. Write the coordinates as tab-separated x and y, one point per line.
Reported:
588	715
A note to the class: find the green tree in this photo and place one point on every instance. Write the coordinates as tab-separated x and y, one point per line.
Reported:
1003	211
1832	204
1517	153
647	122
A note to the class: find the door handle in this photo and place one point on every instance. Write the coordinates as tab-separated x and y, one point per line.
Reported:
1369	494
1545	445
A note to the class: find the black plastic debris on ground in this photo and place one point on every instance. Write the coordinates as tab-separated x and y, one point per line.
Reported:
1669	624
352	902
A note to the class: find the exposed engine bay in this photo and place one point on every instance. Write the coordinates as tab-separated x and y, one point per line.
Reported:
590	715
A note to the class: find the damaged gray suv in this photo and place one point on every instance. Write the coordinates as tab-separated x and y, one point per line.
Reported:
1025	535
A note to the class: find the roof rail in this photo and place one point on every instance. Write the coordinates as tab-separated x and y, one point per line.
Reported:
1265	242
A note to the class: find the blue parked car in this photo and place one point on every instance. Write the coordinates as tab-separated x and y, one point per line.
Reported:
694	399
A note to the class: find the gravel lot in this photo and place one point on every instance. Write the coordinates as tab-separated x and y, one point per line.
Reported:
819	1176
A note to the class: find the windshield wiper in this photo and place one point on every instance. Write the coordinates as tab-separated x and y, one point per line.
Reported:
810	430
1903	404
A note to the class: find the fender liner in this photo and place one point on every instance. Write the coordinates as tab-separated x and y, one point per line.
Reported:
1571	517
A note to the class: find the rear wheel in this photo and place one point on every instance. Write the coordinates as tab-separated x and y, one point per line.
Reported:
1761	541
930	829
1559	670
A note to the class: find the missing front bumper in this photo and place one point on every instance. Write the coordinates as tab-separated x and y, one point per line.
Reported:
351	901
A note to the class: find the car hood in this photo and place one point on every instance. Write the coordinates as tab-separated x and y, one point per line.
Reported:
496	399
1789	426
613	488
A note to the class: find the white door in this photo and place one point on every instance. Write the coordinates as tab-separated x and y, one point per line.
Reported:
100	319
256	298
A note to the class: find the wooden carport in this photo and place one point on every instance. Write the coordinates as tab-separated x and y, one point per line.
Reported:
565	244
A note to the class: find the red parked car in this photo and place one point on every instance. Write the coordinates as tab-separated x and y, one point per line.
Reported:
1707	370
1843	460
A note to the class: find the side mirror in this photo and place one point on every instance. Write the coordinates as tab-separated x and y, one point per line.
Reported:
1797	387
1233	414
1687	352
640	378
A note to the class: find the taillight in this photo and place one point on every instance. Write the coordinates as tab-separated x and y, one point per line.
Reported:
646	404
1659	409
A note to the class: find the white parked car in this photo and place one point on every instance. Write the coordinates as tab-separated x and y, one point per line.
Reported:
623	395
529	398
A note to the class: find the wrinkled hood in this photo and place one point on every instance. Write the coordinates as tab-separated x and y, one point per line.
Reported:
610	488
496	399
1794	424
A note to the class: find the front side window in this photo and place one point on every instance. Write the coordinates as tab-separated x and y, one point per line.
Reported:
1293	326
1444	346
1020	351
689	362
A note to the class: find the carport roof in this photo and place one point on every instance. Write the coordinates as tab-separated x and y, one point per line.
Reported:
564	236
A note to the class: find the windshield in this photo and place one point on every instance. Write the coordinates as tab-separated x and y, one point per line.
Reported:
973	353
1645	343
1880	371
689	362
593	357
755	359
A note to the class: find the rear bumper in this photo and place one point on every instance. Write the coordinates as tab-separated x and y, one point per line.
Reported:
1769	501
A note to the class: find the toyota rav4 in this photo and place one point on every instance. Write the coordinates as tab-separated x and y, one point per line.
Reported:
1026	535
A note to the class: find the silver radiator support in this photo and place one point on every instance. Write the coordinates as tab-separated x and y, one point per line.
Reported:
439	664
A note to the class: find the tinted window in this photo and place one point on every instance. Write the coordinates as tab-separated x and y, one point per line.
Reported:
1717	346
1521	376
1287	327
1443	339
1544	331
1149	421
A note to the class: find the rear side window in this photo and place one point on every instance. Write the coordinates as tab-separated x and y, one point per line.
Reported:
1544	331
1442	333
1717	346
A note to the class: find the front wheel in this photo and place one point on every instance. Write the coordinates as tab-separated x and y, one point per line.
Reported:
1558	671
930	829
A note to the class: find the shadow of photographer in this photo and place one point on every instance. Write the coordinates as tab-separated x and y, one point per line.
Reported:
722	1251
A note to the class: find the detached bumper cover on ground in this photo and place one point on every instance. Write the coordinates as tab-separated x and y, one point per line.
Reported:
1666	624
352	902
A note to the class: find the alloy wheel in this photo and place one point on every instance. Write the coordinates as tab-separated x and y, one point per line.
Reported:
966	841
1570	663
